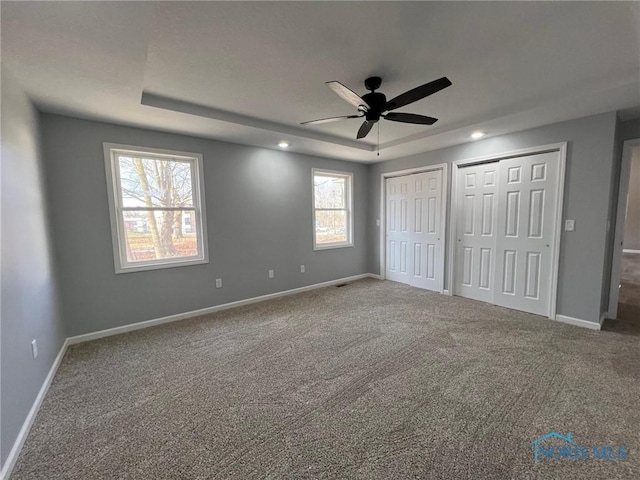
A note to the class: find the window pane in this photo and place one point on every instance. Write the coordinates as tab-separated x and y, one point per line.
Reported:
331	226
149	182
330	192
152	235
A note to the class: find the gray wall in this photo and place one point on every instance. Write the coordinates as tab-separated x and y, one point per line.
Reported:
587	201
632	223
29	294
258	204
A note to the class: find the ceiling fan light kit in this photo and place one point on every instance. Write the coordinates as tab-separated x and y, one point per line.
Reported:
374	105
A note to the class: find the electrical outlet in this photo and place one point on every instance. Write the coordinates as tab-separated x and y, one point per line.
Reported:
378	222
302	269
34	348
218	283
569	225
271	274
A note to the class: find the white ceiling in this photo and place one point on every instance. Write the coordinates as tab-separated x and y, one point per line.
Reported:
250	72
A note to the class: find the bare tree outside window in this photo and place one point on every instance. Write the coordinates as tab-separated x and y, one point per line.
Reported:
331	193
161	187
157	208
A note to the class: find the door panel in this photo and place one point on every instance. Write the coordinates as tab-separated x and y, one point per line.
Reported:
397	231
509	272
524	252
431	261
417	259
476	227
414	238
485	268
429	236
487	214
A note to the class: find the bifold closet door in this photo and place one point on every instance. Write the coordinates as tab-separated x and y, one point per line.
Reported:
505	227
476	231
526	223
414	230
397	229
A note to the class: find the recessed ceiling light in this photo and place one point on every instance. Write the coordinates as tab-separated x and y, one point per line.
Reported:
283	144
477	135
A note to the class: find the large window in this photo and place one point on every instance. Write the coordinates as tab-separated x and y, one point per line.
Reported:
156	202
332	215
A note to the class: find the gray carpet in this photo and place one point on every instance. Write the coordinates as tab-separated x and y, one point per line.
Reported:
371	380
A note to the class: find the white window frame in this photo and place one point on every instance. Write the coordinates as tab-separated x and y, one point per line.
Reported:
348	176
122	265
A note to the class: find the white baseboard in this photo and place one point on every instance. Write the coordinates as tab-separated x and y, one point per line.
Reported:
578	322
31	416
375	275
629	250
446	292
204	311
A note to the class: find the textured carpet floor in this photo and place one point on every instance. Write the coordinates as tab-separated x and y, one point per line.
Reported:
372	380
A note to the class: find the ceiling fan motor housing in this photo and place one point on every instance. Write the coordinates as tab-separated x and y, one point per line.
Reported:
376	102
372	83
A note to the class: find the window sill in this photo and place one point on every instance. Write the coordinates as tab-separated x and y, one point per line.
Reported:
332	246
159	266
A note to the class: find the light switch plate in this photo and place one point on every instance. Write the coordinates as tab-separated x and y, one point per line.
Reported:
569	225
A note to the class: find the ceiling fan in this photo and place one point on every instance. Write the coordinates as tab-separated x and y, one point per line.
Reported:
374	105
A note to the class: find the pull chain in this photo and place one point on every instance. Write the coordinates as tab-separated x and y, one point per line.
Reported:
378	138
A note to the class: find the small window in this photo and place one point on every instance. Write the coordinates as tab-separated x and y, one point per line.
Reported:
156	202
332	209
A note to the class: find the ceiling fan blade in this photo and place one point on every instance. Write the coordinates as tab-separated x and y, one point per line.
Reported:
417	93
330	119
410	118
365	128
347	94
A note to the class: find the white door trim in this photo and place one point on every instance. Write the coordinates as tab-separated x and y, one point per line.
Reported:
383	209
561	148
618	239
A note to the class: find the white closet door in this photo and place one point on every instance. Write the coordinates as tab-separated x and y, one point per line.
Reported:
505	229
414	230
476	231
526	222
398	229
425	236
